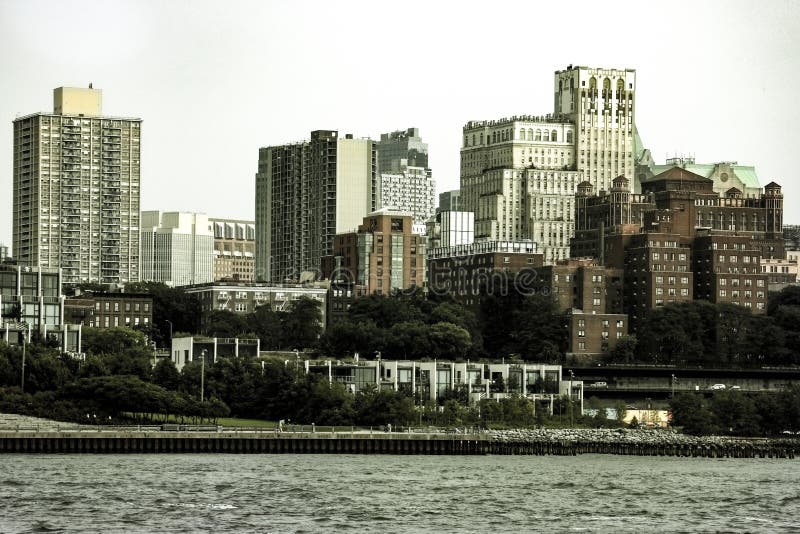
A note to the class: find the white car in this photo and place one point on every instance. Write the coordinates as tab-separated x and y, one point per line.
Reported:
717	386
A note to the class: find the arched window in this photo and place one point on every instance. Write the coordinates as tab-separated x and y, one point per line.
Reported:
538	135
554	136
522	134
481	138
466	140
494	137
530	134
620	89
592	87
545	135
569	137
473	139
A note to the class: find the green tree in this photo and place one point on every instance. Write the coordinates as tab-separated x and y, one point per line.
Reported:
111	340
449	341
166	375
266	324
409	340
691	412
224	323
302	324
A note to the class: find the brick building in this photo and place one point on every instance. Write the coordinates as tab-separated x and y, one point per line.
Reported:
591	298
109	310
467	271
383	255
669	240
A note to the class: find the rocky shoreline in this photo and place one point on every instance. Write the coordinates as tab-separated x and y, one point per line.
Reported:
640	442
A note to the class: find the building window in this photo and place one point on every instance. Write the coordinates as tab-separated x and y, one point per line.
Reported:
581	333
723	293
596	302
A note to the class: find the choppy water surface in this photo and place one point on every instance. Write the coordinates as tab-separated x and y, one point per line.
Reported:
315	493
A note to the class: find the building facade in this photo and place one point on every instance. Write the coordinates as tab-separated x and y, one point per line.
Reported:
306	193
600	103
177	248
234	250
76	192
384	255
469	272
109	310
520	175
679	240
32	303
449	201
245	298
406	181
725	174
590	297
432	381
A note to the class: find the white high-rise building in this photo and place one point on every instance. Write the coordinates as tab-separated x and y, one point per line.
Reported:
520	175
76	191
406	182
177	248
601	104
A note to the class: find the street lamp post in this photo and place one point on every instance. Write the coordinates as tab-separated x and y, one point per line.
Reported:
202	373
672	383
24	340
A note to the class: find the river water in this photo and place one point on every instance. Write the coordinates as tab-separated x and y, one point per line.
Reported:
342	493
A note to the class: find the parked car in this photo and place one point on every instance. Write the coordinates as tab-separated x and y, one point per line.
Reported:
717	386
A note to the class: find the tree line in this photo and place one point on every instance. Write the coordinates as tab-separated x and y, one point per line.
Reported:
737	413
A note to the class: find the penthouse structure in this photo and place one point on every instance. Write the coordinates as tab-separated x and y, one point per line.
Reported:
306	193
76	190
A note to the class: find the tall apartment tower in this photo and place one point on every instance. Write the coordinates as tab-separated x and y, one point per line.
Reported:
406	181
601	103
519	177
306	193
177	248
76	190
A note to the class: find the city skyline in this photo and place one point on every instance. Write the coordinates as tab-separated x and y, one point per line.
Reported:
238	78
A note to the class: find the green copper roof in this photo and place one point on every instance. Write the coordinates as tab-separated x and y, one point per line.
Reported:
747	174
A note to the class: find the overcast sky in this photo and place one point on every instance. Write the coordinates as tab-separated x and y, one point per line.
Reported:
213	81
